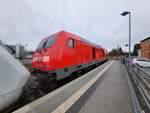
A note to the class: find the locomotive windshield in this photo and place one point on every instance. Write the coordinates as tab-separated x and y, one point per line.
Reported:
41	45
47	43
50	41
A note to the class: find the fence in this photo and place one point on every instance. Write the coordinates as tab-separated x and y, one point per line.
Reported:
140	79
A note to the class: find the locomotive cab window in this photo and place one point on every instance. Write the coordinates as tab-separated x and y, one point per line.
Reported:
47	43
41	45
71	43
50	41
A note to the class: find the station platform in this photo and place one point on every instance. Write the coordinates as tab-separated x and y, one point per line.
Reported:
111	95
102	90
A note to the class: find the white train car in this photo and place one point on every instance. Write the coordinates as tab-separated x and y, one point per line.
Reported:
13	77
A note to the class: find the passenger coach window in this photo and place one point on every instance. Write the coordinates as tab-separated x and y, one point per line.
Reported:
71	43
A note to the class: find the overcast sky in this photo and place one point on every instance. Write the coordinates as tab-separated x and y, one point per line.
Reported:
99	21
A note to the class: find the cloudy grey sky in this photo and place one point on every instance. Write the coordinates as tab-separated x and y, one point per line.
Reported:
99	21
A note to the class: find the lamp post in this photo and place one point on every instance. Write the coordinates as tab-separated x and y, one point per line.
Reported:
124	14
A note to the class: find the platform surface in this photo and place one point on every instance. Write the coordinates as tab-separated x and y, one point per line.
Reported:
112	93
108	93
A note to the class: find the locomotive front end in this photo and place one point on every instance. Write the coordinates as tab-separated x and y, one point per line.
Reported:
43	59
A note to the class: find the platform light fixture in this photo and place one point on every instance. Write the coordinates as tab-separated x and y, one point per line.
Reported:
124	14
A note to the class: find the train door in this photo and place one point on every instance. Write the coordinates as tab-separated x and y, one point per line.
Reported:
78	52
94	53
71	52
83	52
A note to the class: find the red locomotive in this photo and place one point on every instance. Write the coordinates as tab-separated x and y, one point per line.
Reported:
63	53
56	57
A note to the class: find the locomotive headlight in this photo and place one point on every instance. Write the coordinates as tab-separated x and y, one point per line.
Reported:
38	59
35	59
45	58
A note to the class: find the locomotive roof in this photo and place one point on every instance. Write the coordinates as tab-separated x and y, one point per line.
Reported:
70	34
82	39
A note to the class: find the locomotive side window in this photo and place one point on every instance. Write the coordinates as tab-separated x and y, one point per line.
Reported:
71	43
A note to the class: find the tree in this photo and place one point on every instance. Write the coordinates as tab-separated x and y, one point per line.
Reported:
116	52
120	51
113	52
136	48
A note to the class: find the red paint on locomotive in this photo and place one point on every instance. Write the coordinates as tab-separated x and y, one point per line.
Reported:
63	50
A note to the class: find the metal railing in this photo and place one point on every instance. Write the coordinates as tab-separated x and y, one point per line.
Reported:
140	79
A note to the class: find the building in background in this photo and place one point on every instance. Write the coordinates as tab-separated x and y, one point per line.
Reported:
137	50
21	52
29	54
19	49
145	48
